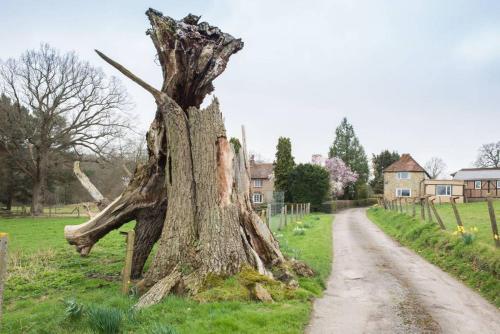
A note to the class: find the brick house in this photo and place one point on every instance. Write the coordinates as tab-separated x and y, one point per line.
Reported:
262	182
407	179
478	182
404	178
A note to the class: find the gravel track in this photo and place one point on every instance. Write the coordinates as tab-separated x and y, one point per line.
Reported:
378	286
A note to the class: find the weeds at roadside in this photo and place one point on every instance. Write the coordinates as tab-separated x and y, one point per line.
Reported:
104	320
74	310
163	329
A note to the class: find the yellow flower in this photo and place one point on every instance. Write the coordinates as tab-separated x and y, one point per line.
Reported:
496	237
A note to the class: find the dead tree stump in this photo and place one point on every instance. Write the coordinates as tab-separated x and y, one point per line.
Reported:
193	194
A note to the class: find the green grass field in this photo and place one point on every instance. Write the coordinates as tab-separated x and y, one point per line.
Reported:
44	272
477	263
474	216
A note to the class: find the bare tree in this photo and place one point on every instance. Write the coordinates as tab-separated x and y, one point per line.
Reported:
73	109
489	155
207	225
435	167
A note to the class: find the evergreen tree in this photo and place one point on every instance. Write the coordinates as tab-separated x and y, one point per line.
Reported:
309	184
283	166
380	162
346	146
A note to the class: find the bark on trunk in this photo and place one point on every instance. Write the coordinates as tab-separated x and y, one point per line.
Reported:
193	195
39	185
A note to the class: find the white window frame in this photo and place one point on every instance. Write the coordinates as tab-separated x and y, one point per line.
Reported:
447	193
257	183
498	184
480	185
403	173
261	198
399	192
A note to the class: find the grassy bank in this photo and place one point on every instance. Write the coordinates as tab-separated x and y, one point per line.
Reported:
45	273
477	264
474	215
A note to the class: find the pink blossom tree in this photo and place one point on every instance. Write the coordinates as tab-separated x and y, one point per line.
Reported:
340	175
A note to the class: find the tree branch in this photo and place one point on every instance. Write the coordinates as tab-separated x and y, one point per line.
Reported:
156	93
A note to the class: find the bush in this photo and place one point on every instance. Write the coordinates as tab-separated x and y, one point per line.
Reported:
299	231
309	184
73	309
104	320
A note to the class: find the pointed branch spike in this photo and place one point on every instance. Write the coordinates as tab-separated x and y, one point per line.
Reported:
156	93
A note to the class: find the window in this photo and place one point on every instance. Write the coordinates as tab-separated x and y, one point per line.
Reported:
257	198
257	183
403	175
443	190
477	184
403	192
498	184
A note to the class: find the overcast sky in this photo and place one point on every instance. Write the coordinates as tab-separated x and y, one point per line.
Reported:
419	77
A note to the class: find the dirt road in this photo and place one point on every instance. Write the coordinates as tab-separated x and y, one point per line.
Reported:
378	286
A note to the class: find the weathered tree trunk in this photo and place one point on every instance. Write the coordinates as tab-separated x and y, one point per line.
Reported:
39	185
193	194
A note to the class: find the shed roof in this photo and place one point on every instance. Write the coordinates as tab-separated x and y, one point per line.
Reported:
406	164
261	170
445	182
477	174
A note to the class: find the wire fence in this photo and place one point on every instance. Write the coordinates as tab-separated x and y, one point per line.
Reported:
278	215
76	210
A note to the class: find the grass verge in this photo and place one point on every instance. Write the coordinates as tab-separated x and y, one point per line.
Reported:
51	289
476	264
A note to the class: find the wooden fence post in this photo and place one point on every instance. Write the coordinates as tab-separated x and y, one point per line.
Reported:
494	227
291	213
438	218
282	213
127	270
457	215
286	215
422	208
400	205
414	208
3	267
428	206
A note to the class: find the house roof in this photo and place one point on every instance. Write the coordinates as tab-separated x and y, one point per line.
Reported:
405	164
477	174
260	170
